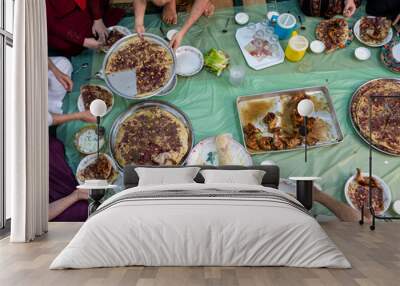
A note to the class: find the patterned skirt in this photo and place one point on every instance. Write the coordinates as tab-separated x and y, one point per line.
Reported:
324	8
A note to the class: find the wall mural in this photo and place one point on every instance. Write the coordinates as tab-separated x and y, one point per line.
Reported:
232	93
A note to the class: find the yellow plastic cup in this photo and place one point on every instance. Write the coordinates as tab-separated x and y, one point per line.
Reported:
296	48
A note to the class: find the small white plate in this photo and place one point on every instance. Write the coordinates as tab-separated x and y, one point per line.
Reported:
396	52
89	159
189	61
121	29
356	30
81	106
387	195
242	18
396	207
86	140
317	47
205	153
362	53
171	33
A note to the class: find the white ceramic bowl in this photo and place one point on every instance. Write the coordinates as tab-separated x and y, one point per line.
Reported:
396	207
317	47
271	14
97	183
362	53
171	33
242	18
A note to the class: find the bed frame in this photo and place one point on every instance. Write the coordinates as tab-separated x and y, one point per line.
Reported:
270	179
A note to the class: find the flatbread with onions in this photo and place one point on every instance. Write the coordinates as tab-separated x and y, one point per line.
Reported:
385	116
151	136
152	62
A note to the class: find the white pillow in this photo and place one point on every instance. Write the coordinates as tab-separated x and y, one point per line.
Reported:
166	176
247	177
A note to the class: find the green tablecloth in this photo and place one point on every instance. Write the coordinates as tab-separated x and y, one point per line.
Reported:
210	101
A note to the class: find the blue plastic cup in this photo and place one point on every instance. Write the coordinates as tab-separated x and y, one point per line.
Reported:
285	25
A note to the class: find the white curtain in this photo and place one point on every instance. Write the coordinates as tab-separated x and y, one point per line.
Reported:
26	124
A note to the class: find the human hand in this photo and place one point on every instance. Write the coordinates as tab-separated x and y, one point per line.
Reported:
140	29
82	194
86	116
176	40
349	8
100	30
64	79
397	20
91	43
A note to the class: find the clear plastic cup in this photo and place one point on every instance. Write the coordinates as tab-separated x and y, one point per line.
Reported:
251	26
237	74
269	31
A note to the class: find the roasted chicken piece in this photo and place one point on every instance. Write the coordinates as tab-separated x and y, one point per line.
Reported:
364	181
250	130
266	143
279	142
252	142
292	142
272	121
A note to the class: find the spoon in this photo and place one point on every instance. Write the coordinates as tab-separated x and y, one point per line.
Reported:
83	66
226	26
302	27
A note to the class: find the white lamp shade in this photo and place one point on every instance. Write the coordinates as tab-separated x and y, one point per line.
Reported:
98	108
305	107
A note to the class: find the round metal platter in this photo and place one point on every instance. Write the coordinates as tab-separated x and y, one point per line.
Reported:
149	104
366	140
119	44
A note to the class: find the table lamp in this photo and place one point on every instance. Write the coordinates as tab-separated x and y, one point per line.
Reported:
98	109
305	108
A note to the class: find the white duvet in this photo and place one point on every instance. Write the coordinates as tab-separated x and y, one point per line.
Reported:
202	231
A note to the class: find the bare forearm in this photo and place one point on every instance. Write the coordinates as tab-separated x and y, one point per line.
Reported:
139	8
51	65
342	211
197	10
62	118
59	206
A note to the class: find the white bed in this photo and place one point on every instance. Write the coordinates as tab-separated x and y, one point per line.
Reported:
203	225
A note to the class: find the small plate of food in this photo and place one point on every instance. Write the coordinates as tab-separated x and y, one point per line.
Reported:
91	92
373	31
115	33
189	61
356	192
334	33
219	150
86	140
390	55
91	168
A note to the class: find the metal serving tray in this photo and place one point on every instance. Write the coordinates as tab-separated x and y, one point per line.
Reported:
366	140
147	104
319	90
121	42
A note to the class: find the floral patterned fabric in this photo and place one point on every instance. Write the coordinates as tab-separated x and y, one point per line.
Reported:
324	8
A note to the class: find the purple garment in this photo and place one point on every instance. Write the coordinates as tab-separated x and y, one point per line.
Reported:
62	182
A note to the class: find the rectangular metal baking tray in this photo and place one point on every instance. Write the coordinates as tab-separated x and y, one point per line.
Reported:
310	90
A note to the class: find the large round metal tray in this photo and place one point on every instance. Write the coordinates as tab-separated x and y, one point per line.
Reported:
366	139
154	38
147	104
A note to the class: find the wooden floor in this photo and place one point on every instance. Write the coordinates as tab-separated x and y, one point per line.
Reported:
375	257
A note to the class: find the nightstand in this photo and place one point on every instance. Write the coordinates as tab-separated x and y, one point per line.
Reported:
97	190
304	190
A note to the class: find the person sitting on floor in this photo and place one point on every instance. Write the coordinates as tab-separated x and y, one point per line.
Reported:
73	25
169	16
67	203
329	8
384	8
